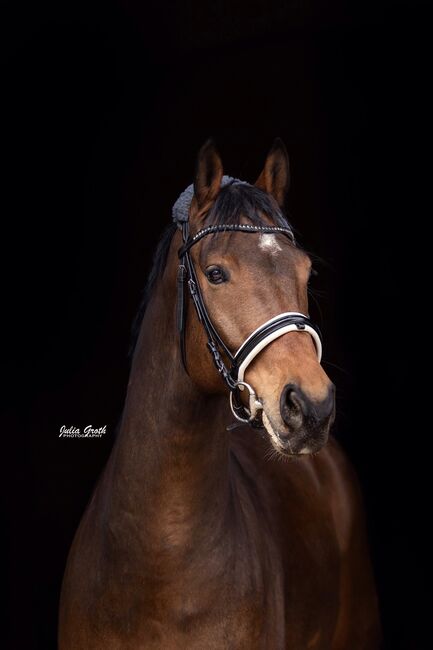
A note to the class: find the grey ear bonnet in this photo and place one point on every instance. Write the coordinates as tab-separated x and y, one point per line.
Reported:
180	210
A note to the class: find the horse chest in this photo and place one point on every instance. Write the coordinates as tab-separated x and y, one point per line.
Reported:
259	601
219	617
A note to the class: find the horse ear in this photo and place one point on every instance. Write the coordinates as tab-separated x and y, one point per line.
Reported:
208	175
275	177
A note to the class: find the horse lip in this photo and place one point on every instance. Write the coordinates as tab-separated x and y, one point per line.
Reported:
280	444
288	445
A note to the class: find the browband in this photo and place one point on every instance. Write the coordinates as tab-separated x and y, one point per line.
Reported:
235	227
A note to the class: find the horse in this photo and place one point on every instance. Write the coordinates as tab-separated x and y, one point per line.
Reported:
201	533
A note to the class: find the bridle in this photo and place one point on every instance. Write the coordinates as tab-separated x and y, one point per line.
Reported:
255	343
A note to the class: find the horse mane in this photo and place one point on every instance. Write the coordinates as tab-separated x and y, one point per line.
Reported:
237	200
158	266
233	201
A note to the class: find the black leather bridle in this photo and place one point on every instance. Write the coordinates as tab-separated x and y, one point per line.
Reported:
260	338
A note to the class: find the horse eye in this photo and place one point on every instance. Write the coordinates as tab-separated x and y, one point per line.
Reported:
215	275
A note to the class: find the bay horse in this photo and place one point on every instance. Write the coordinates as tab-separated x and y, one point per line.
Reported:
197	535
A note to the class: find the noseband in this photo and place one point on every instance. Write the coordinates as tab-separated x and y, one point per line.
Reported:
261	337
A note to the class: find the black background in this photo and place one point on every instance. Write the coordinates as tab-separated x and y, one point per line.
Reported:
104	109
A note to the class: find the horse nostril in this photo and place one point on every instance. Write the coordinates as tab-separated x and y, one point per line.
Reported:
297	409
293	406
293	400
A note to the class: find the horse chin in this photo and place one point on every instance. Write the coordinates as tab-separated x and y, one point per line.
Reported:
290	445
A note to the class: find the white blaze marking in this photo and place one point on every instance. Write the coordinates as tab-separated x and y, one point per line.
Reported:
269	243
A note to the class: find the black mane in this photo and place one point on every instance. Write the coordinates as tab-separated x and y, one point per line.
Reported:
159	262
237	200
234	201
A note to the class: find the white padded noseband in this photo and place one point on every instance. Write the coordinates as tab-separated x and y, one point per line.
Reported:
274	335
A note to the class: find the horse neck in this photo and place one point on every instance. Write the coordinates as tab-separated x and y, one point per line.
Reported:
169	468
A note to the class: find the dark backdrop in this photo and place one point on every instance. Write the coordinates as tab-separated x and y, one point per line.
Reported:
105	108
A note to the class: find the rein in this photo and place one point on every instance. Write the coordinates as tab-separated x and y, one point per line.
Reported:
254	344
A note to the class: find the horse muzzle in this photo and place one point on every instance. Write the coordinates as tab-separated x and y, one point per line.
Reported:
306	421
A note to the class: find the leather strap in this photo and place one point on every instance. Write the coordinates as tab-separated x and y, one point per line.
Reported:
233	227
